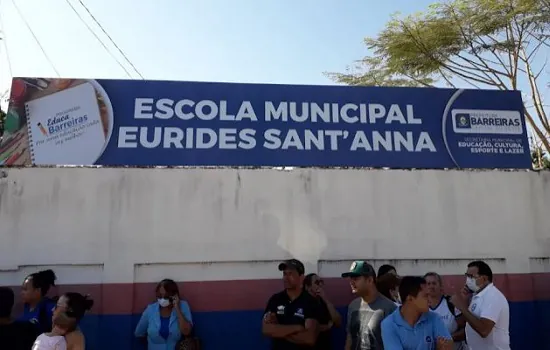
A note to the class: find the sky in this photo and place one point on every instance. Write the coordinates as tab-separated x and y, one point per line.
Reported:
268	41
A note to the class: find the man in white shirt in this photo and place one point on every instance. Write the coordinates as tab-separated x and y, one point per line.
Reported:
441	305
488	313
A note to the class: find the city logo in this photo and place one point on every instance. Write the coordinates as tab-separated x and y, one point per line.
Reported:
488	122
462	120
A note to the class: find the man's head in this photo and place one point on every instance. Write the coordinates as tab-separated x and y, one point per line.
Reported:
293	273
362	278
434	283
7	299
413	293
478	275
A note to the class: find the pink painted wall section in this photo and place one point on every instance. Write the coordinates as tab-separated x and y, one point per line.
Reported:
242	295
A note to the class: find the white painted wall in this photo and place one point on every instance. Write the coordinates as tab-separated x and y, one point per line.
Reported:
123	225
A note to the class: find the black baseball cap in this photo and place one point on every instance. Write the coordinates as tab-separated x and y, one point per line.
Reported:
360	268
293	264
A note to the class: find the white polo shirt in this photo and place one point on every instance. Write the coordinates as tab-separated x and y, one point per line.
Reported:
491	304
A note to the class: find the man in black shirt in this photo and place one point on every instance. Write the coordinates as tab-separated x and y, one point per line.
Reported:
13	335
291	316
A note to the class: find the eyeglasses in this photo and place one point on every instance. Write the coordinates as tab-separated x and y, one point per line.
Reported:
320	283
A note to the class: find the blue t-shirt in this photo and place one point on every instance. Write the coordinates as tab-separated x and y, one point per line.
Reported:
41	315
397	334
164	330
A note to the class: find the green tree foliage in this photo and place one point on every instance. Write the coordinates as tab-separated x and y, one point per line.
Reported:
2	121
540	159
480	43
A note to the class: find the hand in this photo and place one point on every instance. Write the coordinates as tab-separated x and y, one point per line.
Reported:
175	300
270	318
459	301
444	344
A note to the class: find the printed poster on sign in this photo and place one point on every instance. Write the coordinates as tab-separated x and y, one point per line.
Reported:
170	123
56	122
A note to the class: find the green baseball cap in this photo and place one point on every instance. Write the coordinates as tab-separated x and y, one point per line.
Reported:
360	268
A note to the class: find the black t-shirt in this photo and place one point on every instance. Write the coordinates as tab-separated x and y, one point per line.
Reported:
19	335
323	341
294	312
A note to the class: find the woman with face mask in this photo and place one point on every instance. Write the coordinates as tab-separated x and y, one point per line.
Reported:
166	321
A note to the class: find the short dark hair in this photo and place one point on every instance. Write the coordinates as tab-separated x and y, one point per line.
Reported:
482	269
384	269
170	286
436	275
308	279
410	285
7	299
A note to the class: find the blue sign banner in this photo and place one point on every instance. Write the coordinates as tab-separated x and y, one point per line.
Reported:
169	123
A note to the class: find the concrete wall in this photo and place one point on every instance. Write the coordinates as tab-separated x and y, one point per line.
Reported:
116	218
101	227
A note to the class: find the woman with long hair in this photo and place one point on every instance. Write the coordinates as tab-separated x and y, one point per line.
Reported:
167	321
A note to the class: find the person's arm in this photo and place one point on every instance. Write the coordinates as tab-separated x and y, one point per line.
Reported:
143	324
335	316
390	337
185	321
440	330
312	314
308	336
270	327
348	342
460	333
348	334
484	324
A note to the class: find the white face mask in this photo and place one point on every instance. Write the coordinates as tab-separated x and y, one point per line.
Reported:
471	284
163	302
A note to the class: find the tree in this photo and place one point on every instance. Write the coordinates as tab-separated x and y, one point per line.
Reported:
540	159
482	43
2	121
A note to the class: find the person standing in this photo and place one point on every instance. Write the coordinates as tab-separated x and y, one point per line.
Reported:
441	305
328	316
365	314
291	317
14	335
488	313
38	308
167	320
413	326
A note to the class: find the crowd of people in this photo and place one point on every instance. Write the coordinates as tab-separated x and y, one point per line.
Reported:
390	312
46	323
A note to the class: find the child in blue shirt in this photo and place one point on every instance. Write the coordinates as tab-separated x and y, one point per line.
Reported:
413	326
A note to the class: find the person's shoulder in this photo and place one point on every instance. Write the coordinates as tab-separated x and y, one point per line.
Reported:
385	303
355	303
389	320
184	304
74	338
278	295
